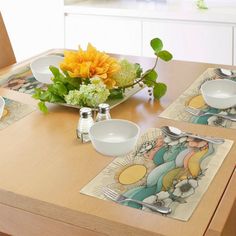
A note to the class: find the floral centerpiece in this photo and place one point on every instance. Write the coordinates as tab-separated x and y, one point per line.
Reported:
90	77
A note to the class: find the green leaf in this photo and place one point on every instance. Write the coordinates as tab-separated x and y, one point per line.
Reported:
149	82
71	87
57	75
156	45
42	95
86	81
60	89
150	77
151	74
37	93
139	70
165	55
55	71
42	107
56	99
45	96
159	90
50	88
116	94
74	82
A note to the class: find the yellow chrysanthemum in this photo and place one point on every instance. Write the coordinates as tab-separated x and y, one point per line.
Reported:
90	63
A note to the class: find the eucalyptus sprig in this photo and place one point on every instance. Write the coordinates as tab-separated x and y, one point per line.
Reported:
149	77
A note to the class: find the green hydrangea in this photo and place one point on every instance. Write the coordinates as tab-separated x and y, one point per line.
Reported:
88	95
73	97
126	75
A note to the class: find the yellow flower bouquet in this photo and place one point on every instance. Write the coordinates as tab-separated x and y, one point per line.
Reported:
90	77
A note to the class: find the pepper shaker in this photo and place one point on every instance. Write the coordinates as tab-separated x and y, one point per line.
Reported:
103	112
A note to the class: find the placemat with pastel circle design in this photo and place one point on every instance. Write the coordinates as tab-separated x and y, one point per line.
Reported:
192	97
162	171
14	111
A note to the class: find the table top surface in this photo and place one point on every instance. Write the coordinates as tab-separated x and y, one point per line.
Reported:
43	165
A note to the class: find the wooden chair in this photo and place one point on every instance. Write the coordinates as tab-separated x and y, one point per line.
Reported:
7	56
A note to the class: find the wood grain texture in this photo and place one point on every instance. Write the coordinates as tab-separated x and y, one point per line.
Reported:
224	220
18	222
7	56
43	166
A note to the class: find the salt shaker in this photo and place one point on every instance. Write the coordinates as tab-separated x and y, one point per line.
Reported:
84	124
103	112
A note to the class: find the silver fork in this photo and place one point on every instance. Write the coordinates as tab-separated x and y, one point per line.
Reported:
198	112
119	198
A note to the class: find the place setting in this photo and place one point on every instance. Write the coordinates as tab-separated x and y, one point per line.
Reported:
210	100
165	171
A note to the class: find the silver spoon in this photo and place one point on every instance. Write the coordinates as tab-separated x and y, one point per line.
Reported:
224	73
175	133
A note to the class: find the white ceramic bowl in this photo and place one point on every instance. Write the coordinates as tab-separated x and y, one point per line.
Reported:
114	137
2	105
40	68
219	93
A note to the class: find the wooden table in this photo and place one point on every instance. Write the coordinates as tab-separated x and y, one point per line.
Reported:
43	167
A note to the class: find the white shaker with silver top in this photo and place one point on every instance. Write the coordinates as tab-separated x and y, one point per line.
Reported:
103	112
84	124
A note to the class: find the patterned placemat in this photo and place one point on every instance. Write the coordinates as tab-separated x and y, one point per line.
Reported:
21	80
14	111
193	98
174	173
